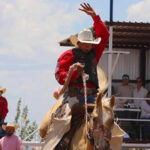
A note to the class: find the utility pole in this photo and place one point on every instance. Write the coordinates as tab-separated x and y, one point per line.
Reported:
110	50
111	11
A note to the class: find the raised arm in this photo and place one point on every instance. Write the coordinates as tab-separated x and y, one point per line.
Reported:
100	31
99	27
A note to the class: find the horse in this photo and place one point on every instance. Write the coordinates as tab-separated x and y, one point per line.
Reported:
96	133
100	125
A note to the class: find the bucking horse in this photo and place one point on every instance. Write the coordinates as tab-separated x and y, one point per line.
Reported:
97	131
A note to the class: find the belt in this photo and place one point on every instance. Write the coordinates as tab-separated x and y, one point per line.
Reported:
79	91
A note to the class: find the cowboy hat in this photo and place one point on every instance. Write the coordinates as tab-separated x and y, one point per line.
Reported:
10	125
85	36
3	90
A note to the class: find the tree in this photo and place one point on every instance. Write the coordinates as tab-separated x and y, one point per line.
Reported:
26	127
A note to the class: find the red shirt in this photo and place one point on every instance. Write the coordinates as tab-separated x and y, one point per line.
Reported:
3	107
67	58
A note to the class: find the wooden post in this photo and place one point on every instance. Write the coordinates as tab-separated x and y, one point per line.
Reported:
143	64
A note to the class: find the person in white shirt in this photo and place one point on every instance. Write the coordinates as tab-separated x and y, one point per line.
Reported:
124	90
145	114
139	92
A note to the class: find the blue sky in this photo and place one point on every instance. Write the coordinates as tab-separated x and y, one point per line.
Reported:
30	31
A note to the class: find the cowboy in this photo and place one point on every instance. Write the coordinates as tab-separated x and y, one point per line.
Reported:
10	141
3	105
83	58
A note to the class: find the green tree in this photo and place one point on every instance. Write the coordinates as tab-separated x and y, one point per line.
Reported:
26	127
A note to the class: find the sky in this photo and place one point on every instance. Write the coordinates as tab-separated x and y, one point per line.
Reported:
29	34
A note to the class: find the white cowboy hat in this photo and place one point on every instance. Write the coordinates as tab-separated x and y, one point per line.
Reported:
3	90
10	125
85	36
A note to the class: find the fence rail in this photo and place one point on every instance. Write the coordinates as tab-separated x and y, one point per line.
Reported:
38	145
124	145
135	98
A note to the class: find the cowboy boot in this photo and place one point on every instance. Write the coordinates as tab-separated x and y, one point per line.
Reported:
65	141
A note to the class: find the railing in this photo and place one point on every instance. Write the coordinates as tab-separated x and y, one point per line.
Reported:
33	145
132	109
38	145
135	98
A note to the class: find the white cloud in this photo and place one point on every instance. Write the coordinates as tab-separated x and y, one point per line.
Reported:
139	11
28	24
34	87
30	31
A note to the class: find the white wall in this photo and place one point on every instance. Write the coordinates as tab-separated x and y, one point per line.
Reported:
127	64
148	65
148	68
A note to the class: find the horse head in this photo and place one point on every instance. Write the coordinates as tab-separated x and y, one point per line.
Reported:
101	122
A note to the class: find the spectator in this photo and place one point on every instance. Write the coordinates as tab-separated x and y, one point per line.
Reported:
3	105
145	114
10	141
139	92
124	90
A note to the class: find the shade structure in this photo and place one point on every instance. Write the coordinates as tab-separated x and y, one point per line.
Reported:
131	35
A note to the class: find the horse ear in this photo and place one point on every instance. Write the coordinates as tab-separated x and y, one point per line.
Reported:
98	100
112	101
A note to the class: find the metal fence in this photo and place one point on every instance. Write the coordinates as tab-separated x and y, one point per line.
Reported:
125	146
38	146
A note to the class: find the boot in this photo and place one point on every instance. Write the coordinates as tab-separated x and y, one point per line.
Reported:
65	141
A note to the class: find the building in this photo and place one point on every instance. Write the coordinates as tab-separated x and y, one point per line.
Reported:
132	37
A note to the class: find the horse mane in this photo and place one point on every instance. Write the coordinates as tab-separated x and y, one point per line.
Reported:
80	138
102	80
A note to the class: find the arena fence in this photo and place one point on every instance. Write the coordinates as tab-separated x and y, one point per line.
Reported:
126	146
38	145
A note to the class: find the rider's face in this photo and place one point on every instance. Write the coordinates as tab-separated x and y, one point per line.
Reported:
85	47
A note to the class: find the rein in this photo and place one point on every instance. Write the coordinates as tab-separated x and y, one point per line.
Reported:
102	130
84	78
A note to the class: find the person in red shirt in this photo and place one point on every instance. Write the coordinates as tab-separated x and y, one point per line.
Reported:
84	58
3	105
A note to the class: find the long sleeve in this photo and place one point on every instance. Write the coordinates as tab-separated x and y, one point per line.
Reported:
19	144
3	107
5	110
102	32
67	58
63	64
145	107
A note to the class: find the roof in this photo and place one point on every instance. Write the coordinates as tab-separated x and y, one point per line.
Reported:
126	35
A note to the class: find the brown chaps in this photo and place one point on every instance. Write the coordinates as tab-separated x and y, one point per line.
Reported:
77	113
